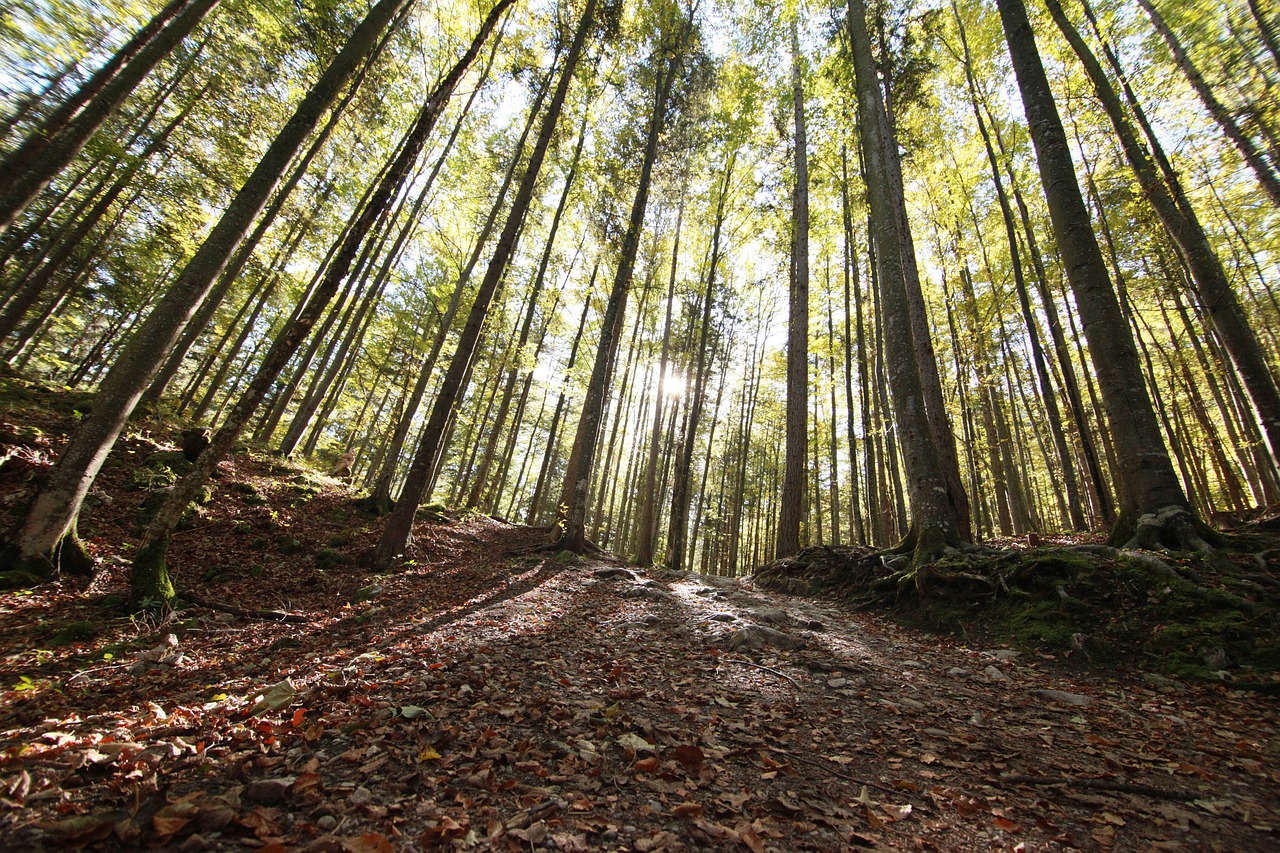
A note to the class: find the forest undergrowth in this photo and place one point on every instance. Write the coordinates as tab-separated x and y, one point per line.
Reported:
493	694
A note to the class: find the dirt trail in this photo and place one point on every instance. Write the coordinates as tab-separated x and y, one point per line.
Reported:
492	697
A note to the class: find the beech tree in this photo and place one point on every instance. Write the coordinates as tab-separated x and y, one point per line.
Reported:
41	547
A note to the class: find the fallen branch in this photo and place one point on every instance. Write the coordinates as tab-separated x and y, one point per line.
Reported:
268	615
1104	785
764	669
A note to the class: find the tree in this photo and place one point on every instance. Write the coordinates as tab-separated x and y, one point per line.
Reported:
58	139
1154	507
571	533
39	548
397	534
1179	218
149	578
934	521
791	506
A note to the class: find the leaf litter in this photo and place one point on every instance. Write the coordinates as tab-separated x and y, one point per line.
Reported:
488	696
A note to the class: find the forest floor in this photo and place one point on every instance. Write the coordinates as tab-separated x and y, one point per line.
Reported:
494	695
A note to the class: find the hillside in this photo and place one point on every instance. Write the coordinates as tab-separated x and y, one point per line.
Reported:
494	695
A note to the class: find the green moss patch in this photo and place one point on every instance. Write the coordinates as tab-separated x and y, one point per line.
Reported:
1205	619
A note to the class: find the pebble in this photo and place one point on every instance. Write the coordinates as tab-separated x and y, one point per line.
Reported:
327	822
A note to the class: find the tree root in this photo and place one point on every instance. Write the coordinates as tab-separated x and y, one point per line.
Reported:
1105	785
1173	527
266	615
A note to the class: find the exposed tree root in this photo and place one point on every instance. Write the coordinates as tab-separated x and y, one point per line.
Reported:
1172	527
266	615
1105	785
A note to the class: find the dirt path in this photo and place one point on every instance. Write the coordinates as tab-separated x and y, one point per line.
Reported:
493	698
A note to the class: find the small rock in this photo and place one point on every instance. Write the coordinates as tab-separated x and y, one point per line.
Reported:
837	682
913	664
1158	680
268	792
995	674
722	617
910	704
652	593
814	625
613	574
1063	697
1003	654
326	823
1215	658
771	615
755	636
957	672
360	796
936	733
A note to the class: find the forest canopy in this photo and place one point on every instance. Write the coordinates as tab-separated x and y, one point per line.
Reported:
700	283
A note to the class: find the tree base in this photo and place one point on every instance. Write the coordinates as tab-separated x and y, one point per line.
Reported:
149	581
1170	528
68	556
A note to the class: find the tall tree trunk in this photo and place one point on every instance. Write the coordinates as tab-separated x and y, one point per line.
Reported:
39	544
1210	279
1048	395
1153	501
396	535
572	534
553	431
648	496
792	504
149	573
934	517
677	536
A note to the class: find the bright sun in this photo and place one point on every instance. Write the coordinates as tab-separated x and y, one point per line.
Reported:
673	385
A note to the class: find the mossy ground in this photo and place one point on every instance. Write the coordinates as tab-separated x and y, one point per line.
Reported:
1195	618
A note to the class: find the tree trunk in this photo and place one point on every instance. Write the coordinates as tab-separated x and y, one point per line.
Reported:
792	504
396	535
149	573
572	533
648	495
1153	501
934	518
1207	274
38	544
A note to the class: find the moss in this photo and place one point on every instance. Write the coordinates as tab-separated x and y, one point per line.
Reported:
288	545
327	558
76	632
149	581
437	512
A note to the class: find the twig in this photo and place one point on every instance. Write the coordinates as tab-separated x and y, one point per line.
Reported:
1104	785
823	766
269	615
765	668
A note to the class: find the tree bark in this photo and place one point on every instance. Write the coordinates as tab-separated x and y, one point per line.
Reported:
792	504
